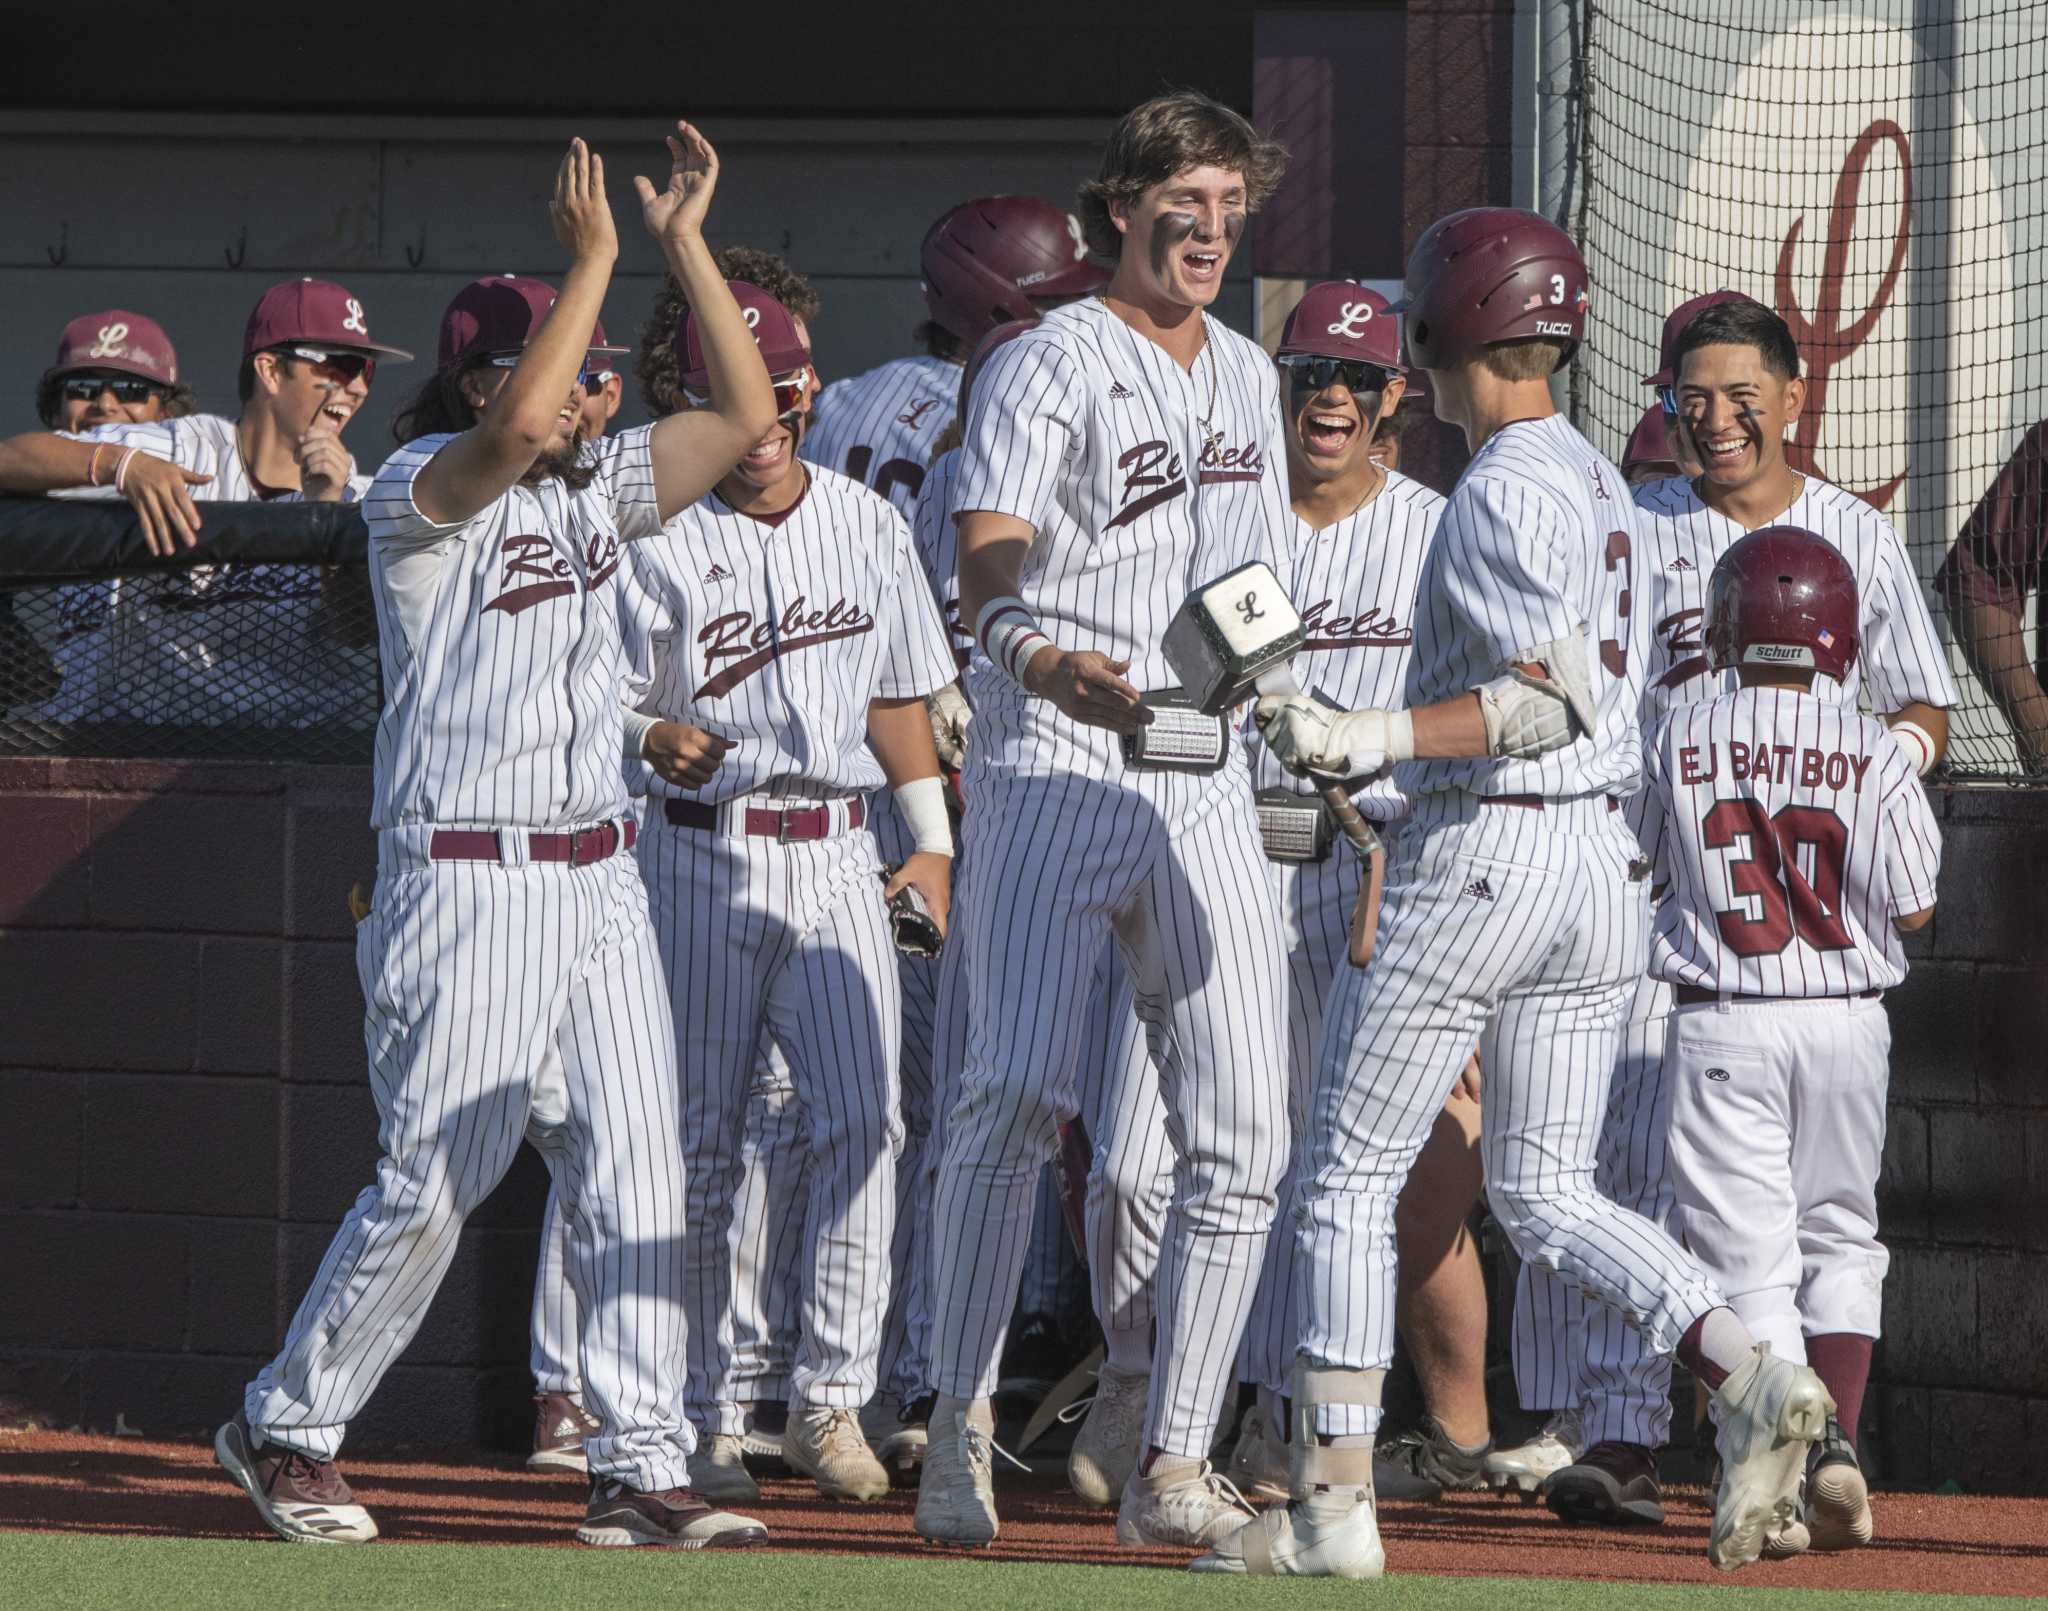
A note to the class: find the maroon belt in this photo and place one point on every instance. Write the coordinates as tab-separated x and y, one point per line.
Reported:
794	822
1533	802
1695	996
579	846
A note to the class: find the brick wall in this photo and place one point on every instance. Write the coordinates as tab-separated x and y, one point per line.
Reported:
181	1066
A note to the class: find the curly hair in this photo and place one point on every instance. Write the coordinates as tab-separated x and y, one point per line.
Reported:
1168	135
657	366
179	400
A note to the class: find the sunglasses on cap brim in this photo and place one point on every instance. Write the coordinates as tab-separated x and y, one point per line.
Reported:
347	364
1311	372
586	377
790	390
126	388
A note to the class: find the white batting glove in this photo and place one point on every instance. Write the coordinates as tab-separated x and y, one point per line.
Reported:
950	714
1307	736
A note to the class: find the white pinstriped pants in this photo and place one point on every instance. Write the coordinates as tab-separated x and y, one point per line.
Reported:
1132	1182
1569	1353
503	1002
1521	929
1058	864
767	1242
790	939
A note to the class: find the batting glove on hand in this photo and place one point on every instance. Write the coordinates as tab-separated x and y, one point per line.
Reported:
950	715
1309	738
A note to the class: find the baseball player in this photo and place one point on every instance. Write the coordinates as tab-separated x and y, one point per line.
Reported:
787	639
1515	911
1797	845
1736	392
175	648
509	971
112	368
1994	564
985	262
1118	454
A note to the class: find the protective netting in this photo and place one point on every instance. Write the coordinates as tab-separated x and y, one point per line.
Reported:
239	660
1878	173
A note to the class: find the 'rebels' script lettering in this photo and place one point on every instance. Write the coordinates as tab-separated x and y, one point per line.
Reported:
1375	628
1678	636
600	559
1152	476
531	557
1824	340
1221	463
757	643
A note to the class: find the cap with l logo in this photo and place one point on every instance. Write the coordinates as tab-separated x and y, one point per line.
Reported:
131	343
1343	319
499	314
316	312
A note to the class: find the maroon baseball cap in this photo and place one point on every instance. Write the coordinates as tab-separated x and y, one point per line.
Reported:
775	333
317	312
499	313
1674	327
1343	319
132	343
600	356
1649	442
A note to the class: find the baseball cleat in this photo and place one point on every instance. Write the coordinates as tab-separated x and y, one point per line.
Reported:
560	1425
827	1446
1837	1497
902	1451
718	1471
1330	1535
619	1517
1610	1485
1527	1466
1423	1463
956	1492
1770	1411
302	1500
1105	1452
1181	1503
1258	1465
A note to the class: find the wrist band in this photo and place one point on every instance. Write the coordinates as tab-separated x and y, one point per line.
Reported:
121	469
1009	635
923	804
1916	743
92	465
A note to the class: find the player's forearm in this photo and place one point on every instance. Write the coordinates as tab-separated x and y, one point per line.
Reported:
900	734
1451	731
741	397
40	462
525	412
1996	650
992	549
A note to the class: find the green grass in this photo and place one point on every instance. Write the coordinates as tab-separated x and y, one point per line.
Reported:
45	1572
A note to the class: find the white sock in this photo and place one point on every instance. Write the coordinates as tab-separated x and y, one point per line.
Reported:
1128	1350
1725	1342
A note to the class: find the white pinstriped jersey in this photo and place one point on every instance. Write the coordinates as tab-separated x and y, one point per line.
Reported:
1091	433
1355	584
776	633
880	427
205	444
1791	830
500	646
1534	547
1678	541
938	548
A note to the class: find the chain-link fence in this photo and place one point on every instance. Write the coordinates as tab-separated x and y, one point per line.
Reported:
1878	173
106	652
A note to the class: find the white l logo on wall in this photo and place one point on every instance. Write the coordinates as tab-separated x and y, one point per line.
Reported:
1841	179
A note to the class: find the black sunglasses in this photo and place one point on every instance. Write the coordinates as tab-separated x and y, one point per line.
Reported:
84	388
346	364
1310	372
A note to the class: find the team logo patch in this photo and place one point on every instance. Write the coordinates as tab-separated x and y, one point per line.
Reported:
354	321
917	411
1352	318
1720	1074
108	344
1480	890
752	644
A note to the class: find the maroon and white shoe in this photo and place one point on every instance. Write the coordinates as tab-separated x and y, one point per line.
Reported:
674	1518
560	1425
302	1500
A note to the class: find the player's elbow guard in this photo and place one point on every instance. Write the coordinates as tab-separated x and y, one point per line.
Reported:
1527	716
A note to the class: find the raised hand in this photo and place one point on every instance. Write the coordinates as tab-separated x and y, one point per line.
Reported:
579	210
677	212
324	466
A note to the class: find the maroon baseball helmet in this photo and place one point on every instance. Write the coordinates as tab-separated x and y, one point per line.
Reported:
992	260
129	343
1782	597
1491	274
982	352
1674	327
1343	319
316	312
